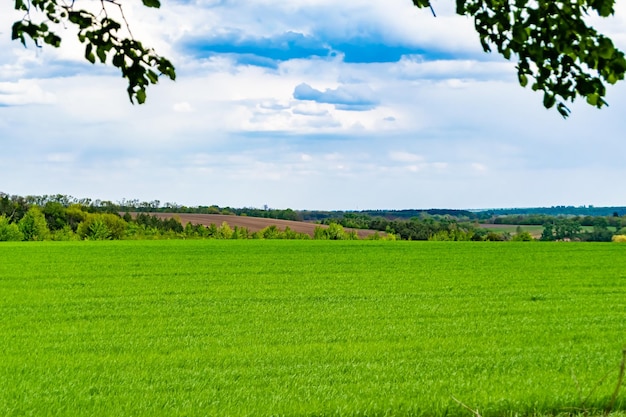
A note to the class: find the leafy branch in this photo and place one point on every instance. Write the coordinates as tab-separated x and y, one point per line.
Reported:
141	66
554	46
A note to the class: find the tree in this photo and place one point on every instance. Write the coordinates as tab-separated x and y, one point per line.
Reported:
9	231
33	225
105	38
553	44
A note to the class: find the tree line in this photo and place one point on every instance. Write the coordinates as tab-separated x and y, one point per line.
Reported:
62	217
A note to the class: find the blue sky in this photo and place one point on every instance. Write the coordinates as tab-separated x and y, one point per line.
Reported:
307	105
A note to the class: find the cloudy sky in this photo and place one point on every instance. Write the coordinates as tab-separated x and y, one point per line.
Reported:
306	104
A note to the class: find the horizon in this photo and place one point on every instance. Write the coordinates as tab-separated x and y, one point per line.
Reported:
175	205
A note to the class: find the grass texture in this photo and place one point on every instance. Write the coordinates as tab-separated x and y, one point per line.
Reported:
315	328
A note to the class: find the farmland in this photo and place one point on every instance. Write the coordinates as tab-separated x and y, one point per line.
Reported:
254	224
310	328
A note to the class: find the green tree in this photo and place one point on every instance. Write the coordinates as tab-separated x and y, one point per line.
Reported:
9	231
75	214
556	49
319	233
522	236
102	226
55	214
335	231
271	232
548	231
33	225
224	231
566	229
13	207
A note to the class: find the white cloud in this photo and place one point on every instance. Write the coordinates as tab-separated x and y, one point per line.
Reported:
24	92
403	156
182	107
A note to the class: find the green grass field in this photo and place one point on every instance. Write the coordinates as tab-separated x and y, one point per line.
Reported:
310	328
534	230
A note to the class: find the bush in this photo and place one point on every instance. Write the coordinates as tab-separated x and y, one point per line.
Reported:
619	238
335	232
64	234
523	237
224	231
102	226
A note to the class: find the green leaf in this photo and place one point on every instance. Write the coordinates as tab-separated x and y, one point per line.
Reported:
152	3
141	96
548	100
102	53
20	5
89	56
118	60
593	99
17	32
523	80
152	76
52	39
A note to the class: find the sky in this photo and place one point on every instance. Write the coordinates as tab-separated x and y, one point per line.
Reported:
306	104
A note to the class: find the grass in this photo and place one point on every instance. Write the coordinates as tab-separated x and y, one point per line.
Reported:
260	328
534	230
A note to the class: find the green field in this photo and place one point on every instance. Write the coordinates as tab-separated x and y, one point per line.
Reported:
310	328
534	230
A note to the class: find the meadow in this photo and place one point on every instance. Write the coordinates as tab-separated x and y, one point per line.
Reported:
310	328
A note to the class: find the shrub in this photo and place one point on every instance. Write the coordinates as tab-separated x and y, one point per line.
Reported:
320	233
102	226
224	231
523	237
619	238
64	234
335	232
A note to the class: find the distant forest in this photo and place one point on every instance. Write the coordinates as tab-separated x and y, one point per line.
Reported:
62	217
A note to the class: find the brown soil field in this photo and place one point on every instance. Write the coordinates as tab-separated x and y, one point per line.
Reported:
254	224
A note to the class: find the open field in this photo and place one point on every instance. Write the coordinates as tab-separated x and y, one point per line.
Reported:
254	224
310	328
535	231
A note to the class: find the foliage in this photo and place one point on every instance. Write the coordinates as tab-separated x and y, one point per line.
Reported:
561	229
553	44
64	234
102	226
224	231
598	234
13	207
522	236
9	231
33	225
229	328
334	231
619	238
141	66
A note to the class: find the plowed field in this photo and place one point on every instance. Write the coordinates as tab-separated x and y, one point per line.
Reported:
253	224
